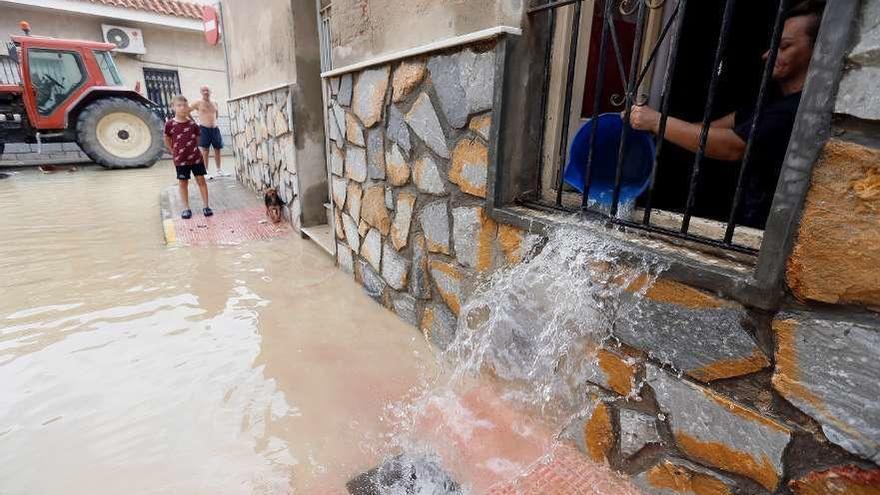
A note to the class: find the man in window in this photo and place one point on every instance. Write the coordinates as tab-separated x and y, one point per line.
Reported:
728	135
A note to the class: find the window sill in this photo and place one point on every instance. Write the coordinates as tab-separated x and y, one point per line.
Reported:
725	273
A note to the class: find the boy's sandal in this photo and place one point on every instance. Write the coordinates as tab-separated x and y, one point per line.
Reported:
186	214
208	212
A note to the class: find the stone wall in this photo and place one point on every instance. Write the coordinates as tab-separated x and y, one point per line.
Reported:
700	395
263	142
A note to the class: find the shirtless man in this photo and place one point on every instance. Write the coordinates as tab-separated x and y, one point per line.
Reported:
209	135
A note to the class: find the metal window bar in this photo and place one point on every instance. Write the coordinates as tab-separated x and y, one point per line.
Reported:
325	38
162	86
671	33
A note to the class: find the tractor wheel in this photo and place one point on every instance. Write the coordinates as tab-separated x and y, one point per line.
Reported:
120	133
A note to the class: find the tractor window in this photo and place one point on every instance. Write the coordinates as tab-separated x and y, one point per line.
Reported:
55	76
108	68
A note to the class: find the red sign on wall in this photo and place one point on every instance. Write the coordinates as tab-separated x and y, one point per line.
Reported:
211	20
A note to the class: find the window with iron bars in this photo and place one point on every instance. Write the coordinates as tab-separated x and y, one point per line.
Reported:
696	60
325	36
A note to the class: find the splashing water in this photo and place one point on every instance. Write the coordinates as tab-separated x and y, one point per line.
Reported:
517	371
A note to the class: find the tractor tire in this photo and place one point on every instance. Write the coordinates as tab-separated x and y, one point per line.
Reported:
120	133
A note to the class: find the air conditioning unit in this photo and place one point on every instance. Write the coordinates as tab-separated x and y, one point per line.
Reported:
127	40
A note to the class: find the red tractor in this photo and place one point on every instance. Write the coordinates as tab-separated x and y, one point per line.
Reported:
54	90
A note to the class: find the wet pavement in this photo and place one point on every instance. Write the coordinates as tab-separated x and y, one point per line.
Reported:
130	367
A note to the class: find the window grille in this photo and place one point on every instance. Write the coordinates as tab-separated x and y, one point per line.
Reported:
643	61
162	86
325	36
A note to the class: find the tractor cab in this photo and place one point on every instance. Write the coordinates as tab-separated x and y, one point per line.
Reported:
70	90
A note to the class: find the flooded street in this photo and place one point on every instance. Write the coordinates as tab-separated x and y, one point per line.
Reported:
130	367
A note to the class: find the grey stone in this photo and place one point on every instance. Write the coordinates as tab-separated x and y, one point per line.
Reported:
438	325
374	286
352	237
389	198
858	94
354	132
406	202
828	368
406	307
344	258
686	477
703	422
422	119
465	84
345	90
716	342
867	48
420	279
339	118
353	199
427	178
466	228
394	268
398	132
369	95
376	154
334	86
339	189
448	280
337	161
434	219
356	163
372	248
636	430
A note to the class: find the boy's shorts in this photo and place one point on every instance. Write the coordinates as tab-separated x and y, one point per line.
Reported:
210	136
183	171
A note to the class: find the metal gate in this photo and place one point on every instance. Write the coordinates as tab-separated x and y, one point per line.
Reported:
162	86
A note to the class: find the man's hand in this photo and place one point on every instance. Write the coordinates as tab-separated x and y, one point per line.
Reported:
645	118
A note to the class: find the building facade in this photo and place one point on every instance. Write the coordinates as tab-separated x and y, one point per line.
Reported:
177	58
752	365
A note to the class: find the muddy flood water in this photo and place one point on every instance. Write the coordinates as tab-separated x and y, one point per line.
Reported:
130	367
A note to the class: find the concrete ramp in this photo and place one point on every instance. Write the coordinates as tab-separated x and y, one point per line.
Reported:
239	216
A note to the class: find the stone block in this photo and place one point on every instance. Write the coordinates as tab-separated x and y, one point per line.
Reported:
371	249
395	268
339	188
337	161
344	259
369	95
398	131
374	286
481	124
599	433
396	167
420	280
672	476
389	198
338	227
636	431
406	307
473	235
407	77
373	209
448	281
470	167
338	117
513	242
615	371
345	90
402	219
438	325
334	86
422	119
376	154
354	133
356	163
829	368
836	258
718	432
427	177
353	200
465	83
352	237
849	480
434	219
281	125
691	330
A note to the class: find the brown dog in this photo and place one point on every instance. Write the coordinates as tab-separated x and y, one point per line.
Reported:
273	205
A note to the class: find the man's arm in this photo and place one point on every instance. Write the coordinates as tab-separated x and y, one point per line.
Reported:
169	144
723	143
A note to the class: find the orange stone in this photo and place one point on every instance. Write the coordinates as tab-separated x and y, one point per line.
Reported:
373	209
599	433
470	162
620	374
407	77
849	480
836	258
679	479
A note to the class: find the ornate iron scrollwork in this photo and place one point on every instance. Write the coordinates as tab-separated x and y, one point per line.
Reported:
628	7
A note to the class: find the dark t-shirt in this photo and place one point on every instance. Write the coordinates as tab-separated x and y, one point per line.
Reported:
184	141
768	153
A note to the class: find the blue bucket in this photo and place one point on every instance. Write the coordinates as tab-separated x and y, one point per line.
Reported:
637	163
